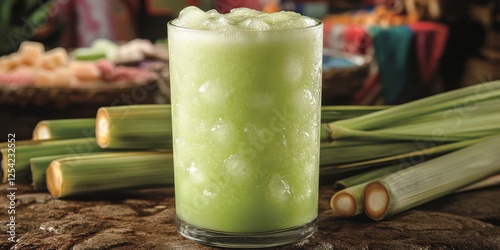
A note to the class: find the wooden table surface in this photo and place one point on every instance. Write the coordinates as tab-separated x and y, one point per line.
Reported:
145	219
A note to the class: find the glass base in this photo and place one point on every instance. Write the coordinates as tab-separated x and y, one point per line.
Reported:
246	240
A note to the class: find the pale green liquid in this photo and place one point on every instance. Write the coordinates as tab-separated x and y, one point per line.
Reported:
246	116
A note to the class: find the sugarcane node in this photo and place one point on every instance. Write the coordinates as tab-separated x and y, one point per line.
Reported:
41	132
330	131
343	204
102	128
376	199
54	179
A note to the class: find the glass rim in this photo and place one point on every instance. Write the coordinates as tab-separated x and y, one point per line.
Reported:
317	24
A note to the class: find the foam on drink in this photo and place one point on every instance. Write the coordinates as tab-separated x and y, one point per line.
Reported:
194	18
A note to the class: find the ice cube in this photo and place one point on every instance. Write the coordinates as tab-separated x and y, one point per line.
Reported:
213	93
279	17
234	18
203	87
207	193
216	22
278	190
238	167
222	131
213	13
195	174
309	96
259	136
191	17
200	130
302	22
254	23
244	12
311	169
305	102
309	21
179	142
293	70
299	99
199	200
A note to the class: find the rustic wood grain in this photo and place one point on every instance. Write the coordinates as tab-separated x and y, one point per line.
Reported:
146	220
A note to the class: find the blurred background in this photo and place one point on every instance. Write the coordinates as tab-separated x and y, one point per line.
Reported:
66	58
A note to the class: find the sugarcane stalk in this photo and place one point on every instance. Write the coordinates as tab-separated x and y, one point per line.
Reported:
64	129
488	182
134	127
342	112
39	165
454	106
430	180
344	152
18	143
24	153
347	201
367	176
95	174
348	198
421	155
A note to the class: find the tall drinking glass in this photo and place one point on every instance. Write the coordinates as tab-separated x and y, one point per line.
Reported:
246	121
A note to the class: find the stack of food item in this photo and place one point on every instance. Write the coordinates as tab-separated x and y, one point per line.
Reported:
32	65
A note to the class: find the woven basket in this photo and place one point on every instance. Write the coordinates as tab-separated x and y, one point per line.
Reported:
340	84
100	93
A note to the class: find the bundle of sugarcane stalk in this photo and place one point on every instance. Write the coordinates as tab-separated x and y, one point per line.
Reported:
135	130
462	120
355	139
389	190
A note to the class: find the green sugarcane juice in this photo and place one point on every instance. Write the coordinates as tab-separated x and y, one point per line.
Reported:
245	91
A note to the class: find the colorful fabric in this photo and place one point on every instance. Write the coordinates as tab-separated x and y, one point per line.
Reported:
430	44
356	39
408	56
88	20
392	48
118	20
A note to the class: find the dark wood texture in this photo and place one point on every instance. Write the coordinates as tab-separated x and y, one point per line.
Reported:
146	220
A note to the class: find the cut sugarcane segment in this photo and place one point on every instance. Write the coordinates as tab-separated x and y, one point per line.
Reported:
435	178
64	129
109	172
135	126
